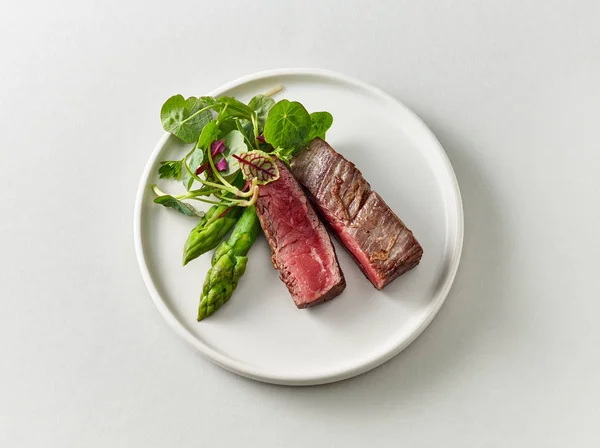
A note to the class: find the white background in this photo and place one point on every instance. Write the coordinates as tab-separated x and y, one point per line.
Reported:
512	91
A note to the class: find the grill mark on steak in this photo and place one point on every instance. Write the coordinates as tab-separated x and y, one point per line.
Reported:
376	238
335	192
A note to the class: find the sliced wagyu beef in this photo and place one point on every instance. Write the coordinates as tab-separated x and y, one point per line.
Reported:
381	244
300	246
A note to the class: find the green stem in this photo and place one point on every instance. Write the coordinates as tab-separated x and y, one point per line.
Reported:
233	201
228	201
227	185
239	126
254	197
247	202
208	201
229	188
255	126
274	90
158	191
223	110
192	194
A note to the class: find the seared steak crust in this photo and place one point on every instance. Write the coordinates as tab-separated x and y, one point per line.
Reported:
381	244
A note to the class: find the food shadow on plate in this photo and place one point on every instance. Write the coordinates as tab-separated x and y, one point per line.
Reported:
462	321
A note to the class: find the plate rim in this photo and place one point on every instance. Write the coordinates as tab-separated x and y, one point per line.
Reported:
258	374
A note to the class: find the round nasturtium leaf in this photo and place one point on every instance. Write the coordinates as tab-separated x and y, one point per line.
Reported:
288	125
182	118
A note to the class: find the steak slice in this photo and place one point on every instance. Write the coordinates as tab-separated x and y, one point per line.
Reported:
300	246
380	243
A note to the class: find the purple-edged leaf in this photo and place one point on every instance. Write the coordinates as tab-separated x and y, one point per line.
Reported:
259	165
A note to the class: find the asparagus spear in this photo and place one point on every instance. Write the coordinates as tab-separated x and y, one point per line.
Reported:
228	264
213	227
209	231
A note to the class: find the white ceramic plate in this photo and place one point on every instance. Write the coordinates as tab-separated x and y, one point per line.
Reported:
259	333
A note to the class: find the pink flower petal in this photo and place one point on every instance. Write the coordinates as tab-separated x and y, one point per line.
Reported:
221	165
217	147
201	169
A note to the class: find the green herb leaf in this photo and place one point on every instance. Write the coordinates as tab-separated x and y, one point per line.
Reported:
284	154
183	118
246	128
186	179
234	141
288	125
231	108
169	201
193	162
209	134
226	126
259	165
320	122
261	105
170	169
210	101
